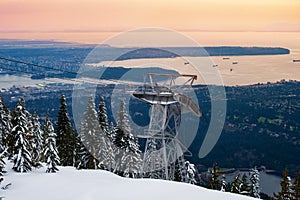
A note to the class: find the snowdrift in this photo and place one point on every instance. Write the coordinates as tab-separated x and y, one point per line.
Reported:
72	184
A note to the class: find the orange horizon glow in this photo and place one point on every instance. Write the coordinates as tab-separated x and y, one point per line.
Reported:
118	15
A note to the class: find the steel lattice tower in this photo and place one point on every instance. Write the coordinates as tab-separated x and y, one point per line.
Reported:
162	148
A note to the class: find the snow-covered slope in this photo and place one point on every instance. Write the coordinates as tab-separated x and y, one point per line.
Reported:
71	184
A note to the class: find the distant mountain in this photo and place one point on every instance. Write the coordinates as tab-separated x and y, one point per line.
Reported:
15	43
106	50
171	52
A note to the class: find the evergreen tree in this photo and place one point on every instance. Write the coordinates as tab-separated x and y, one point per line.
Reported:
102	115
37	140
67	142
214	181
5	124
90	135
244	187
254	183
235	184
50	150
286	188
153	161
177	173
188	173
133	164
223	184
110	162
109	132
2	163
123	119
120	150
127	147
21	151
296	187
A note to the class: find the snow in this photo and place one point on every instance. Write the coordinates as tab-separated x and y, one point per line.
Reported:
69	183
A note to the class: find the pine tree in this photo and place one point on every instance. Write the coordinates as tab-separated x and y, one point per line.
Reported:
67	142
37	140
223	184
235	184
254	183
296	187
286	188
244	187
152	161
133	165
120	150
123	119
102	115
177	173
127	147
214	181
109	133
50	150
2	163
21	151
188	173
5	124
110	162
93	147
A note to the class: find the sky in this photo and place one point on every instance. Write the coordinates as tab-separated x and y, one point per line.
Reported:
120	15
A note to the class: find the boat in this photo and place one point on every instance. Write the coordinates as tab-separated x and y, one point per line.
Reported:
296	60
234	63
226	58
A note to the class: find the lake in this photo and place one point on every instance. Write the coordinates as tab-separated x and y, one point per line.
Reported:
268	183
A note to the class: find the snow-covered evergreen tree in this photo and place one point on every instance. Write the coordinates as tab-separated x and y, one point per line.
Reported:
127	147
21	152
286	192
102	115
109	131
244	186
5	124
120	150
214	181
37	140
235	184
154	161
50	152
2	163
110	161
133	157
296	187
223	184
188	173
123	119
133	164
177	173
254	183
67	141
112	131
94	146
5	128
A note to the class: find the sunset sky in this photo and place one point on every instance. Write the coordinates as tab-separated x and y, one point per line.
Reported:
118	15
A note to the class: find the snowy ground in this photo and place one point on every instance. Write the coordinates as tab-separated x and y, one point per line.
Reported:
73	184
